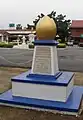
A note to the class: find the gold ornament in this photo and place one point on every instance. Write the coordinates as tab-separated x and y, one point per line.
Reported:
46	29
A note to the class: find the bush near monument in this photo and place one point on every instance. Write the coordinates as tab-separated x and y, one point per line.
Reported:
61	45
59	40
31	45
5	45
15	43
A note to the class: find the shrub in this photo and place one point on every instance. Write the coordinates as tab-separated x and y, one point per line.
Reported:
5	45
31	45
2	44
15	43
61	45
20	43
59	40
9	45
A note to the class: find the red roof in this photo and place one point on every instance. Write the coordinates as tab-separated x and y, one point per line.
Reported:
77	24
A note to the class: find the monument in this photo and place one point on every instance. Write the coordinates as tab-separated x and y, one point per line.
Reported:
31	37
23	45
18	41
24	39
44	87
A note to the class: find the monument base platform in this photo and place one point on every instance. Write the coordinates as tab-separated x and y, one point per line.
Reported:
46	87
72	105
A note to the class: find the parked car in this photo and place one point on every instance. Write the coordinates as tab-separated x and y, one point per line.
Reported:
75	42
80	44
70	43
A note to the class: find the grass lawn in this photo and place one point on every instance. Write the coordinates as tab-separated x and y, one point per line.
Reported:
9	113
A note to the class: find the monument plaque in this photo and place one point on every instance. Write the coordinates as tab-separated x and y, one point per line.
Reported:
42	60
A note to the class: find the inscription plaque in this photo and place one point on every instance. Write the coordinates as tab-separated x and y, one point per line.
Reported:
42	61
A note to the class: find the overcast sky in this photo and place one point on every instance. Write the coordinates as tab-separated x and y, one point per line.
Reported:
25	11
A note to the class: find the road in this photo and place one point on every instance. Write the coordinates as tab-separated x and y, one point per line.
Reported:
70	59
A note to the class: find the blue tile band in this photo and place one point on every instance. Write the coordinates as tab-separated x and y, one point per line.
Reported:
45	42
41	76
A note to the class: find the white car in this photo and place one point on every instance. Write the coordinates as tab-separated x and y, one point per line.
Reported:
70	43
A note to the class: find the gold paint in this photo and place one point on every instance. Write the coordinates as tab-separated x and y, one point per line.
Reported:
46	29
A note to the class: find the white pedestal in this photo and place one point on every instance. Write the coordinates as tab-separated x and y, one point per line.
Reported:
45	60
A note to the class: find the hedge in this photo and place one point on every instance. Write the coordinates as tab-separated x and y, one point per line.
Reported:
61	45
5	45
15	43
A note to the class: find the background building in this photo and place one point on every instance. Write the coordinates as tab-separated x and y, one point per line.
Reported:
11	35
77	30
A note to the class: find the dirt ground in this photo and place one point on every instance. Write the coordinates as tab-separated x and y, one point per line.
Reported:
9	113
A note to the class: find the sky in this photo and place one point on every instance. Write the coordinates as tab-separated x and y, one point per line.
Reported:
25	11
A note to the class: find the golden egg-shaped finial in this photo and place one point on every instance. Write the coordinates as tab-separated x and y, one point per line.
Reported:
46	29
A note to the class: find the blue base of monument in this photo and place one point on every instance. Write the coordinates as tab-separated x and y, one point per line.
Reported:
60	79
71	105
45	42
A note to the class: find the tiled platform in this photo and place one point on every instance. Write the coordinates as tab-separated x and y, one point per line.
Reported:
72	104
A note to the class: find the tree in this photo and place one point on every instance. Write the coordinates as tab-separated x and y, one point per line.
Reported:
19	27
63	27
61	23
30	27
38	18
